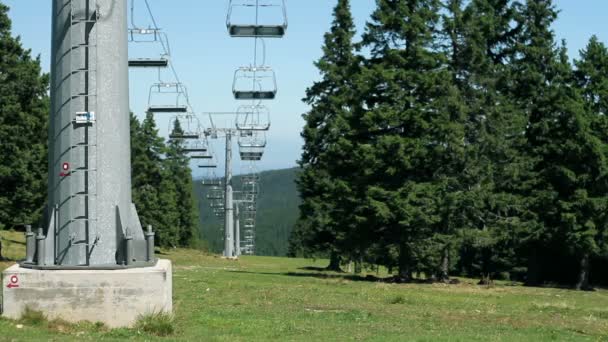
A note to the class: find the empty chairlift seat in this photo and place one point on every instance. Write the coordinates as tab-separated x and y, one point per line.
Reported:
196	150
212	182
150	37
148	63
201	156
198	146
251	153
184	136
254	83
215	193
252	145
253	118
261	31
186	127
167	98
257	18
168	109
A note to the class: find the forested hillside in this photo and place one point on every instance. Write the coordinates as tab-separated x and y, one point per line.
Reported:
277	213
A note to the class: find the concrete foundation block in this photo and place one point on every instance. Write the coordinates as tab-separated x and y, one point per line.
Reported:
113	297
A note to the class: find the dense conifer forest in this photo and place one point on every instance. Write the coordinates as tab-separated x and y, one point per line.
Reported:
457	137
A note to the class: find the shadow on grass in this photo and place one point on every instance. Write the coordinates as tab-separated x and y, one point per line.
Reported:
394	279
319	269
350	277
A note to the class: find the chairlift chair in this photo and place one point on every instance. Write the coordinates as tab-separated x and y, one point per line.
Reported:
198	146
254	83
215	204
201	156
215	194
250	178
211	182
149	63
150	36
251	153
253	118
183	136
252	145
244	16
190	128
153	36
172	94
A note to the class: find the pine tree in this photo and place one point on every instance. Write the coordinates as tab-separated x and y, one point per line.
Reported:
322	209
178	170
569	187
410	131
591	77
152	195
481	38
24	107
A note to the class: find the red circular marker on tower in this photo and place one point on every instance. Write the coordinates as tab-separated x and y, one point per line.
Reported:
14	282
65	167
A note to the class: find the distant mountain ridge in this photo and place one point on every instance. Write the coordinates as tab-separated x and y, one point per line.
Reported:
278	211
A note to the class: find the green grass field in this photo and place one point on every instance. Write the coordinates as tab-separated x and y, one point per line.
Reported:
261	299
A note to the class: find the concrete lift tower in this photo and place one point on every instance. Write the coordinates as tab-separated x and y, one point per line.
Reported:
93	261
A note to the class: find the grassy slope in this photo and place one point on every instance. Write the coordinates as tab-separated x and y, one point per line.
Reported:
277	213
263	298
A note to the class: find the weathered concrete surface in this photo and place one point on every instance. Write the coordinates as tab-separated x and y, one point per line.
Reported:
115	298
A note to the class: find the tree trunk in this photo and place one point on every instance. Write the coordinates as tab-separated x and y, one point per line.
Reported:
1	257
358	266
583	276
533	276
444	272
405	272
334	262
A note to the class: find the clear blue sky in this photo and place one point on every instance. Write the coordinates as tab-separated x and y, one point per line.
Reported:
205	57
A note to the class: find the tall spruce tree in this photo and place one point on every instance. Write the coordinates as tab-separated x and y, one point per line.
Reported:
410	131
153	194
178	170
323	214
24	107
591	77
568	190
481	37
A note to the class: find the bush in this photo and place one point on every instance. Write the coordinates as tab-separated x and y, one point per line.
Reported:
157	323
32	317
397	300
